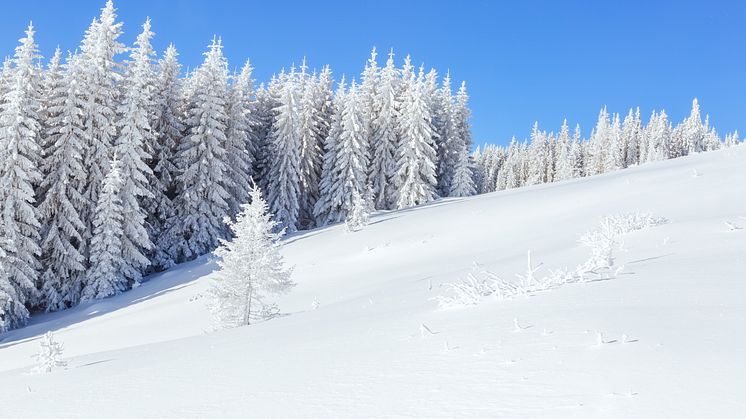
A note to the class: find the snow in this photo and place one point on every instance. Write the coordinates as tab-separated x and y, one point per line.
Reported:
363	336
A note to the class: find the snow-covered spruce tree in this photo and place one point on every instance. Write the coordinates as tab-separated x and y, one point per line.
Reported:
383	137
359	215
100	95
135	134
20	157
168	127
62	203
614	156
323	208
104	277
310	151
694	131
599	144
462	115
658	135
201	203
631	137
415	155
13	313
50	354
462	182
576	153
565	164
267	100
348	175
286	170
238	156
450	141
250	267
538	161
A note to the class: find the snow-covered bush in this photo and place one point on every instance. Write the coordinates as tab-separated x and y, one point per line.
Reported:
602	241
607	237
50	354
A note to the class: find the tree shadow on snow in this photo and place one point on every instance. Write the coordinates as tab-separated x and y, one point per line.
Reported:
155	285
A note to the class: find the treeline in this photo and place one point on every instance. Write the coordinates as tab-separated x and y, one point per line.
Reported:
111	168
613	144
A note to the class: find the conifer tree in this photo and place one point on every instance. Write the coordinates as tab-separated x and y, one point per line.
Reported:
310	152
451	144
383	137
63	203
19	174
105	276
323	208
135	134
250	267
415	154
201	203
168	127
100	95
238	153
462	183
286	170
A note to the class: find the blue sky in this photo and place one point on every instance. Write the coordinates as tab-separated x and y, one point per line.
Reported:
523	60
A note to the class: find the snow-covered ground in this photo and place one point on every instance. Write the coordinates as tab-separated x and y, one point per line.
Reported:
364	352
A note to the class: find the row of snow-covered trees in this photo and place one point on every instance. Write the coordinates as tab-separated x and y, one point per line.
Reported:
613	144
112	167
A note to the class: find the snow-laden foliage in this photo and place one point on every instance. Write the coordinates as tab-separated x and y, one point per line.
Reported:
105	276
250	267
20	156
50	354
602	241
201	203
359	215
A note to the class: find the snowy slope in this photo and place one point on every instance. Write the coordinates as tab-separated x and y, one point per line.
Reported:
681	300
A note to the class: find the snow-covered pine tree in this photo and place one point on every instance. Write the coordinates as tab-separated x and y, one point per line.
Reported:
598	145
50	354
693	131
349	175
359	215
614	156
450	143
731	139
286	170
267	100
201	203
576	154
659	137
104	277
168	127
538	161
62	203
250	267
135	135
368	91
383	137
323	208
565	163
20	157
100	95
310	152
631	137
462	182
238	156
415	154
13	313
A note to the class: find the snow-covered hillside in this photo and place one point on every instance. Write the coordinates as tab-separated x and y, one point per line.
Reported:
377	344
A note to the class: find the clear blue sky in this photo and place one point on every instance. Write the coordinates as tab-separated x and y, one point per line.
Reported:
522	60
